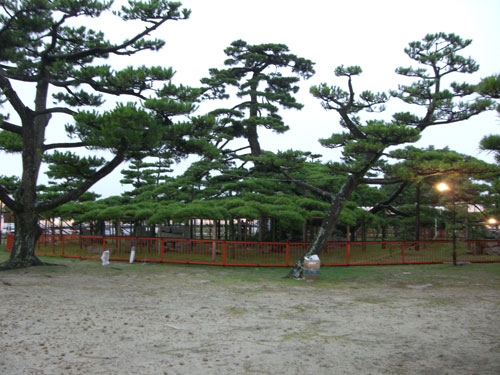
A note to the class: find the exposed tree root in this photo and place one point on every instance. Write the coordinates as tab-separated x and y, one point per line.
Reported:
296	272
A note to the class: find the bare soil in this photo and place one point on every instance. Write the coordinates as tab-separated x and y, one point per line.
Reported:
209	320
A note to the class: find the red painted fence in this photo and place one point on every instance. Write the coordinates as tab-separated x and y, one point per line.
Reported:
237	253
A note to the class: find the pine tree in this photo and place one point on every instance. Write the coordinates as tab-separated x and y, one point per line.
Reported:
46	46
364	143
257	73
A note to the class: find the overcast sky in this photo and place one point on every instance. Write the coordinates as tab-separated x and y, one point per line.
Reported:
368	33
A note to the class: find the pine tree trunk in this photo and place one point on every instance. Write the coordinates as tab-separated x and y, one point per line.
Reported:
327	226
253	140
26	236
252	135
26	217
239	236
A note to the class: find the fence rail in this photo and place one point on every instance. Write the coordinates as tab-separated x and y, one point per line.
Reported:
275	254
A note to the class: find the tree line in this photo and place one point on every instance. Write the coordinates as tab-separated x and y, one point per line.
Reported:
380	178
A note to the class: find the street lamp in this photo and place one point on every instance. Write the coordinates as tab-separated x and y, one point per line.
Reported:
442	187
493	223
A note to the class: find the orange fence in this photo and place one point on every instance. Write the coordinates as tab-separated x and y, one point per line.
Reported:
236	253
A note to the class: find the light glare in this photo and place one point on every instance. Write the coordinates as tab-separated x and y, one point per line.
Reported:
442	186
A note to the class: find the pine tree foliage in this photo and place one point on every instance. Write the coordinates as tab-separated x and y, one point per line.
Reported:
489	87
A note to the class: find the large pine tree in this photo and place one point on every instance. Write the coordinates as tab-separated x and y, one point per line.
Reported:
365	142
46	46
265	77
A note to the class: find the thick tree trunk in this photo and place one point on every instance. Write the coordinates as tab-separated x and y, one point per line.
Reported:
327	226
26	217
252	135
26	236
253	140
261	229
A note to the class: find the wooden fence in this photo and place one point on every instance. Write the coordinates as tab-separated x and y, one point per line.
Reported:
274	254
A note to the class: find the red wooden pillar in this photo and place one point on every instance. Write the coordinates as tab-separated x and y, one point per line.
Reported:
287	252
347	253
10	242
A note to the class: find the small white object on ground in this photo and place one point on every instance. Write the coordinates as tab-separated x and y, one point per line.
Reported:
105	258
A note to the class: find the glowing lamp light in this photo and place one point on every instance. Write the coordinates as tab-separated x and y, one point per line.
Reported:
492	221
443	186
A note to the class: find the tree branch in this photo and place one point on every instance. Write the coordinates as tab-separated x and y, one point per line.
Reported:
5	125
8	201
232	151
314	189
12	96
55	110
424	124
118	92
84	186
63	145
386	203
98	51
380	181
396	211
17	77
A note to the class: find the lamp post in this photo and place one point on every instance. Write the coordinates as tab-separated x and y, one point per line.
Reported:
442	187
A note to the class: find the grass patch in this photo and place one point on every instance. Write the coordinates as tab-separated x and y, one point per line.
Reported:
439	275
235	311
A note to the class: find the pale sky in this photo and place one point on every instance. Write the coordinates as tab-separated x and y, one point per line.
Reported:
368	33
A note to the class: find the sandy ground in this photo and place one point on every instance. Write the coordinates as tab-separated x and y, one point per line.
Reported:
186	321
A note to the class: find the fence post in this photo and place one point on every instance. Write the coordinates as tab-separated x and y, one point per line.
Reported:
162	248
287	252
214	251
10	242
403	251
62	245
347	253
224	253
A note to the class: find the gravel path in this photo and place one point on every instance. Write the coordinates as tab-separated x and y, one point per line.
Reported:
190	322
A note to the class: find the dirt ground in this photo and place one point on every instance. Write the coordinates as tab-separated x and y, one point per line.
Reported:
203	320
